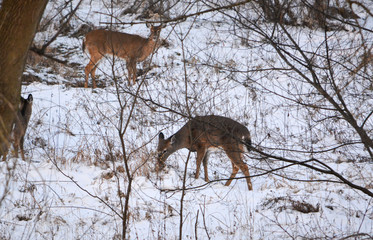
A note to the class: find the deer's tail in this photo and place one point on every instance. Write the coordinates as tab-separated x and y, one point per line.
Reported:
247	142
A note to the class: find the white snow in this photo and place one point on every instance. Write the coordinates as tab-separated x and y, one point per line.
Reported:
72	145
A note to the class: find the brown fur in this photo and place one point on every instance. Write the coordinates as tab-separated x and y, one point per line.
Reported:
132	48
205	132
20	125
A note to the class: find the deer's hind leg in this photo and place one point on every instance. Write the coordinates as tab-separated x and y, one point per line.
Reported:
233	174
237	163
205	160
90	69
21	147
16	147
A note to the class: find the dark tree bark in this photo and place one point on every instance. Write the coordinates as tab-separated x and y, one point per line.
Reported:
18	22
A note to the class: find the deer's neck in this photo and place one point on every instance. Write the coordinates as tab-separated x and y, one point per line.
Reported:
147	49
26	112
152	43
182	139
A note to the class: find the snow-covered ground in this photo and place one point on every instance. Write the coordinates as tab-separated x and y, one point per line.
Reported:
74	185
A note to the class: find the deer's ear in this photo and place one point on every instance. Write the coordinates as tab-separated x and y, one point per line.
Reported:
161	136
173	139
148	25
30	98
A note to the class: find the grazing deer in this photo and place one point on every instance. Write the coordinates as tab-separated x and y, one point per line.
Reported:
21	123
132	48
203	133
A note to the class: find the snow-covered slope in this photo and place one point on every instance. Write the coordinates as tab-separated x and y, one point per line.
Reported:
74	184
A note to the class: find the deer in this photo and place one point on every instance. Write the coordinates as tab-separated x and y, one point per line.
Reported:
20	125
131	48
203	133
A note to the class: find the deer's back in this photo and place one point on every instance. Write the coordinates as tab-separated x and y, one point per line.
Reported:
123	45
214	131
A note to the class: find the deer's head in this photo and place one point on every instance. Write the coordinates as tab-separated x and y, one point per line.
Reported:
26	105
155	31
165	149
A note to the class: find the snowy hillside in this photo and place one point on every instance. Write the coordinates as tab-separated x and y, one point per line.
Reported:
83	144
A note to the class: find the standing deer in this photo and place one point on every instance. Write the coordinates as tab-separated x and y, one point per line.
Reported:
21	123
203	133
132	48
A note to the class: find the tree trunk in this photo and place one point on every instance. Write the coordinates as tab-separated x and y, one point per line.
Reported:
18	22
